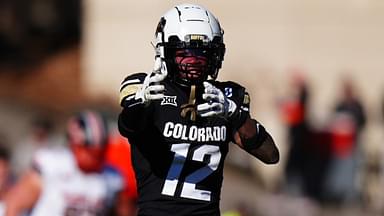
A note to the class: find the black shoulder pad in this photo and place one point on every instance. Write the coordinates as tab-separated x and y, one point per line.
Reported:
129	87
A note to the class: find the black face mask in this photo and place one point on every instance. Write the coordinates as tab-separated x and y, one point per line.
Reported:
192	64
184	72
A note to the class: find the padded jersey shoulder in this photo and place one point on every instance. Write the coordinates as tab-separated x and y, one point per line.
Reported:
128	88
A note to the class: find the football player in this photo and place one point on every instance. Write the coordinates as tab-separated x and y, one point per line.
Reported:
68	180
180	120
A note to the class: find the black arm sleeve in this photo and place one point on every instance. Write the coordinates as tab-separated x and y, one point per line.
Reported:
132	120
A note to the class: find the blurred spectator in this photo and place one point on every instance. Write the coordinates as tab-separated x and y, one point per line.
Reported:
346	126
6	176
41	135
294	109
308	152
68	180
351	104
119	156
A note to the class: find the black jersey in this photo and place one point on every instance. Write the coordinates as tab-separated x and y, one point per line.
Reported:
178	156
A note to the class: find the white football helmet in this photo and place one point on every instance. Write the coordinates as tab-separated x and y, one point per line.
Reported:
192	27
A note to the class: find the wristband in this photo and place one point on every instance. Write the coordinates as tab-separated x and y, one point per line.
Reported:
257	140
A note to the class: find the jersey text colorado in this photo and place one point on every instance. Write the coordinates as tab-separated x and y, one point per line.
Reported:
194	133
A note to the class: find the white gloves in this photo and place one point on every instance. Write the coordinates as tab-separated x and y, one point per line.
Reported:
217	103
151	88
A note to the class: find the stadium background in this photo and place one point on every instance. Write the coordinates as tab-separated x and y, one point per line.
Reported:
74	54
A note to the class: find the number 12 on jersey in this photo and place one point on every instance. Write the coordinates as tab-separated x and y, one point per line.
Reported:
188	189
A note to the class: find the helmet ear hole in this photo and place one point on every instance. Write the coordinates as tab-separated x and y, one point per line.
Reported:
173	40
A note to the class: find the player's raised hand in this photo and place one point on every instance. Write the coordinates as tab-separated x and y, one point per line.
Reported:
152	89
217	104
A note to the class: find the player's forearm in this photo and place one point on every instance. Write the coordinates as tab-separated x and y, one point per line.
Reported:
267	151
254	139
24	194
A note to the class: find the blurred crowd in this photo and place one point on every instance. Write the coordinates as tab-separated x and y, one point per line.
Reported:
326	165
330	167
86	165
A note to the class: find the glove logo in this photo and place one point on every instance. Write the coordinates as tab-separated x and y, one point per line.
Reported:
228	92
169	100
